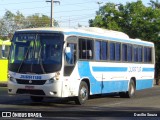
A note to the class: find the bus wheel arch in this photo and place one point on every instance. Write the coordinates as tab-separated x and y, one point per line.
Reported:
131	89
88	84
83	92
134	79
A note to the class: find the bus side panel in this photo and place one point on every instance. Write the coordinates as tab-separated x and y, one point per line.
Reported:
143	84
107	77
97	84
3	70
114	86
84	72
147	78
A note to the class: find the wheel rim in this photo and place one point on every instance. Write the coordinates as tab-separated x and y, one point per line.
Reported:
83	93
132	90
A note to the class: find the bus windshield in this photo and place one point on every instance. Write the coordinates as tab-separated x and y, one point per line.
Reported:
30	52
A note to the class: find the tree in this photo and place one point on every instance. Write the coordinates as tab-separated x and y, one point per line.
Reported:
107	17
38	20
12	22
134	19
6	23
154	4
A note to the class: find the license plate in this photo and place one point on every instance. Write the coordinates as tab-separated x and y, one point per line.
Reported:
29	87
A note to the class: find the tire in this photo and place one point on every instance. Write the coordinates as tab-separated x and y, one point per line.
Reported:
131	91
82	94
36	98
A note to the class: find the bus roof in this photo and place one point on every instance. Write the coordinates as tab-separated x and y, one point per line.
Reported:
93	32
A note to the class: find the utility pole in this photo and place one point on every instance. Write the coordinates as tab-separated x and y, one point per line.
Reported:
52	18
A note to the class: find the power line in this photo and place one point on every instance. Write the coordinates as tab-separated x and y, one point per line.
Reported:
76	10
49	6
78	18
31	2
20	3
41	6
84	16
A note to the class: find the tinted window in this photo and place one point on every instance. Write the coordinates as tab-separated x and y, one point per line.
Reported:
129	53
85	49
104	50
118	51
135	51
124	52
112	51
139	54
97	50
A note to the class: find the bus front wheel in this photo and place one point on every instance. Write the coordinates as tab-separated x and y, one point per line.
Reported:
82	94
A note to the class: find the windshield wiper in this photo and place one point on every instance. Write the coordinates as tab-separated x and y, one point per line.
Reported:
40	60
23	60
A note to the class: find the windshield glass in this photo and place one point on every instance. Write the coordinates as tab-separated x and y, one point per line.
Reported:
35	49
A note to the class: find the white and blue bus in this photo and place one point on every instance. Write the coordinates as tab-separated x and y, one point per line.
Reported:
77	63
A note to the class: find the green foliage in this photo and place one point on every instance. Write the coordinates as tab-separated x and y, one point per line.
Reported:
12	22
134	19
37	20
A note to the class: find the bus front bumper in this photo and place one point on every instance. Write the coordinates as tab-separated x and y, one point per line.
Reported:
46	90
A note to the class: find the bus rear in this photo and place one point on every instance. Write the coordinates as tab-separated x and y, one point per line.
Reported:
4	50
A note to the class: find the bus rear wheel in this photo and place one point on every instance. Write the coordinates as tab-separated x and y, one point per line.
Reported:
131	91
36	98
82	94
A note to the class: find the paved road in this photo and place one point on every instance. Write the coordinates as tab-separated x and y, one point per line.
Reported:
145	103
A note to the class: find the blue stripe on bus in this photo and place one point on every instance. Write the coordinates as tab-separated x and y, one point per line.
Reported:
143	84
148	70
98	87
108	38
109	69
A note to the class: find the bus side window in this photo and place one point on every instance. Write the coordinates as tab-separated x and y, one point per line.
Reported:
135	51
129	53
85	49
71	54
112	51
118	52
147	54
124	52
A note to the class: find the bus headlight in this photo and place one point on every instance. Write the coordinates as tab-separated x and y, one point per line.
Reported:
50	81
57	76
12	79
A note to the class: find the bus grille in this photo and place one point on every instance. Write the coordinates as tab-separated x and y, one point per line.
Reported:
31	82
32	92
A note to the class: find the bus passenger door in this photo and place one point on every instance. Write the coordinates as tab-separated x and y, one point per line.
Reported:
70	59
70	56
